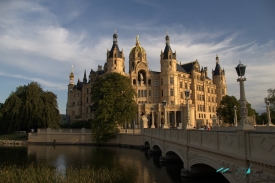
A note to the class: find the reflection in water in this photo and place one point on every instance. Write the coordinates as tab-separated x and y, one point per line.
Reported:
147	168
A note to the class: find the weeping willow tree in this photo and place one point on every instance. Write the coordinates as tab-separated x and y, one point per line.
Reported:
29	107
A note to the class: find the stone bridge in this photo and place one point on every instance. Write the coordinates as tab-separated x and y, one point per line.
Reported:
247	156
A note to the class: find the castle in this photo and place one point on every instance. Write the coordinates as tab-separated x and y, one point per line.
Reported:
160	95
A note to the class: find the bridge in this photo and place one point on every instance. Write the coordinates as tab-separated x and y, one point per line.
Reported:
242	156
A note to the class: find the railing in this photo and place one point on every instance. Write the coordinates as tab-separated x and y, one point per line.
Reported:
133	131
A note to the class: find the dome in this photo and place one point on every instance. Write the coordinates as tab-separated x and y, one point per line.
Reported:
137	49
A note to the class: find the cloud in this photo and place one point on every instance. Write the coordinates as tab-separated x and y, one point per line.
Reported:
34	45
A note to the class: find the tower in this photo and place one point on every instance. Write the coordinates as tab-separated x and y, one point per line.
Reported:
115	58
218	76
168	75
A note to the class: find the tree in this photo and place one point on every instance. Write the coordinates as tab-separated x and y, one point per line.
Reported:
271	99
29	107
113	105
226	110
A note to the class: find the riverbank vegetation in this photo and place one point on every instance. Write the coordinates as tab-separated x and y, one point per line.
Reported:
29	107
49	174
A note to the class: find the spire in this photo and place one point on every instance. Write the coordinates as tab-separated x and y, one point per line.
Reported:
137	41
167	47
167	39
115	46
115	38
71	76
218	69
85	78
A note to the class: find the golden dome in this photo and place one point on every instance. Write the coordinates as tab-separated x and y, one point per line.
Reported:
137	49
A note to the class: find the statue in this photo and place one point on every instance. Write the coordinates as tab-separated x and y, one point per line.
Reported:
141	77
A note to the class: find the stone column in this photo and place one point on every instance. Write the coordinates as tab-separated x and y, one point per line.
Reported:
268	115
152	125
244	123
175	119
165	118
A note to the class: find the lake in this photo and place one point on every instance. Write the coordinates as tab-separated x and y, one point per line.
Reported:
148	168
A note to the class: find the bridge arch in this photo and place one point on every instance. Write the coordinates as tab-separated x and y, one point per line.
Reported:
146	145
174	150
156	143
210	162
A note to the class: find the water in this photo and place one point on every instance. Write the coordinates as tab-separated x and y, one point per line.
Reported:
148	168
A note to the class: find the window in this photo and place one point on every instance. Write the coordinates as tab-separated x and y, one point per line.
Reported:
141	92
171	92
181	95
171	80
185	85
145	93
223	91
134	81
212	99
180	84
149	93
213	109
115	61
149	81
73	103
86	109
87	100
172	102
161	81
162	93
208	89
87	90
209	109
138	93
156	82
208	99
156	93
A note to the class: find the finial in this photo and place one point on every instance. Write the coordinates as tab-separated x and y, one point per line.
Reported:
115	30
239	61
217	55
166	33
72	68
137	42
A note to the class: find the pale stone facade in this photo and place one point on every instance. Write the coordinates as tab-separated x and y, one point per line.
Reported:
153	88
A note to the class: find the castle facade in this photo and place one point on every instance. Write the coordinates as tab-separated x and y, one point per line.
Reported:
161	94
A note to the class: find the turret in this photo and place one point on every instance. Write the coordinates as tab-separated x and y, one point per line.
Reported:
71	76
168	58
115	58
218	76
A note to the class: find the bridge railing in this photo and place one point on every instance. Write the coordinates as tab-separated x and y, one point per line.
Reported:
258	146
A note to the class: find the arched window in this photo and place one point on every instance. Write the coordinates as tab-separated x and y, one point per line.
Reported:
134	81
149	81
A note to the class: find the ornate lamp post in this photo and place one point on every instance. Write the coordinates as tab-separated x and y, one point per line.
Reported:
268	113
152	118
244	123
187	96
165	119
235	116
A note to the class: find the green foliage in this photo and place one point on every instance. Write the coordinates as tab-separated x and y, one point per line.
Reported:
29	107
271	99
113	104
226	110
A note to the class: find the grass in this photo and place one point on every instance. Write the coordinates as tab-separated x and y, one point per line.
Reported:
14	136
48	174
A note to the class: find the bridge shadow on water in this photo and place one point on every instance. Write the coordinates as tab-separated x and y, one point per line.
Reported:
200	173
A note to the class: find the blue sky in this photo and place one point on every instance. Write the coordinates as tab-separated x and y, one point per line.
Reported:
40	40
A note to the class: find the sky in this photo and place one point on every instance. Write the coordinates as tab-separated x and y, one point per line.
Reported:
41	39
